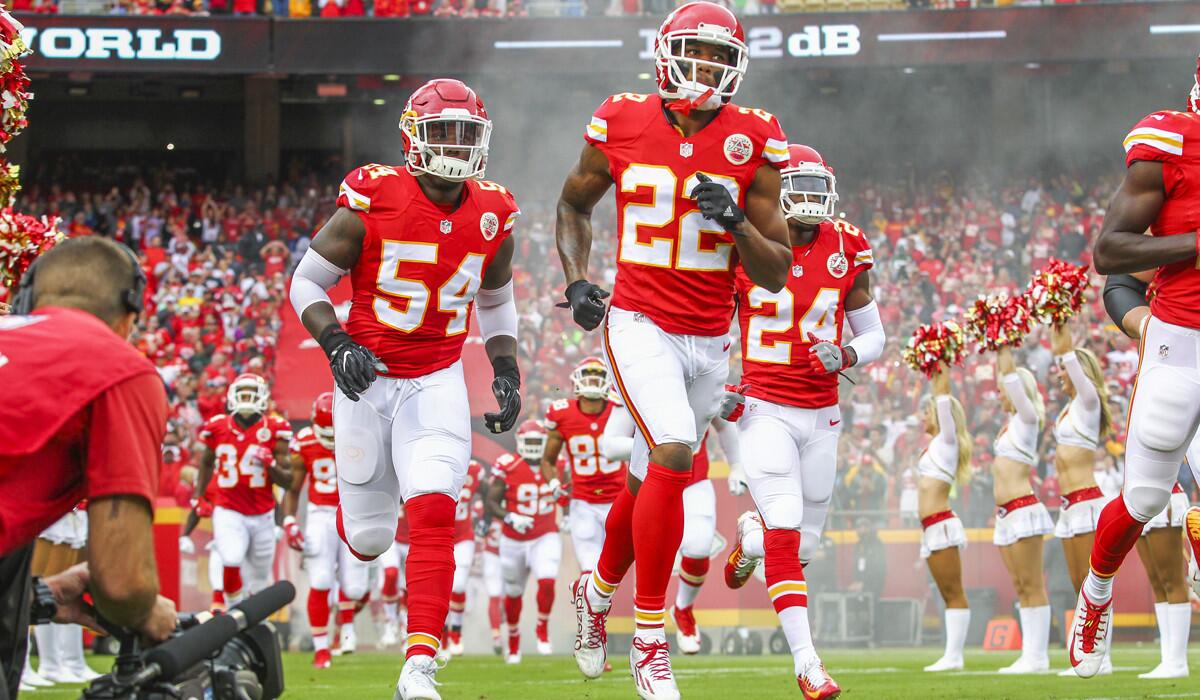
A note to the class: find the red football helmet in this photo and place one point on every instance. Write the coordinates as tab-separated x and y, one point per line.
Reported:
446	130
322	419
706	23
249	395
590	379
808	193
531	441
1194	97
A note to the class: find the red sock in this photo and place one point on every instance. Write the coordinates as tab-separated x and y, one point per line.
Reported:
657	532
693	569
430	572
616	556
218	600
785	576
345	609
391	584
545	597
458	601
232	576
512	611
1116	533
318	611
494	612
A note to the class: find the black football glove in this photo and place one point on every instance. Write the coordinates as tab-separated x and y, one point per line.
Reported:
506	387
586	302
716	204
354	367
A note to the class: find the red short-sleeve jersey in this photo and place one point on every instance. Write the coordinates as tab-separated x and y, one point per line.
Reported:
776	325
525	493
319	467
240	472
464	513
1173	138
594	478
415	281
674	265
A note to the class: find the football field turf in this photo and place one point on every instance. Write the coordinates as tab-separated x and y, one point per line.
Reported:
865	673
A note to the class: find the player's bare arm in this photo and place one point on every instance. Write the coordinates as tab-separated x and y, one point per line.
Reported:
586	185
281	466
860	293
554	443
340	242
291	499
941	381
208	460
762	237
498	323
1122	245
493	504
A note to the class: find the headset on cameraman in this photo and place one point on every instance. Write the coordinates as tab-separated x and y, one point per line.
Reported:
133	297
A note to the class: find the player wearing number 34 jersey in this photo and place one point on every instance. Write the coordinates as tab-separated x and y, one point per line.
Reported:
792	352
427	245
697	181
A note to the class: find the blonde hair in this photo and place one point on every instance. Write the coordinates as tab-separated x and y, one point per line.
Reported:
1029	383
962	437
1091	367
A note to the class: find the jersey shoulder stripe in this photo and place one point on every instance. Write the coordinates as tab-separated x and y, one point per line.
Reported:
1161	139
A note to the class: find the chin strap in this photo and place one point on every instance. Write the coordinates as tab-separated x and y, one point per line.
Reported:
685	107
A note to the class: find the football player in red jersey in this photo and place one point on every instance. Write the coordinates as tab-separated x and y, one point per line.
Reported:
324	553
1160	192
698	190
595	480
464	553
248	451
792	352
425	245
529	542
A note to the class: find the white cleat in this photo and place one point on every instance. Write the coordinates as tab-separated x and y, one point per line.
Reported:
455	648
1106	668
1089	636
544	648
24	687
650	664
349	642
63	675
591	637
687	634
417	680
390	636
31	678
85	672
1024	664
945	664
1164	670
513	659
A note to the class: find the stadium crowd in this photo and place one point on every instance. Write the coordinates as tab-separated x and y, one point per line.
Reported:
217	257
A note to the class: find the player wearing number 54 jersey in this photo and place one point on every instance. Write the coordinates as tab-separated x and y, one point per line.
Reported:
697	190
426	245
792	352
245	451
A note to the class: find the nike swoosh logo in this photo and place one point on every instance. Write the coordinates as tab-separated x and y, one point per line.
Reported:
1159	117
726	347
834	422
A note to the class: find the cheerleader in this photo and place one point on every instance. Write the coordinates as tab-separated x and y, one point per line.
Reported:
1021	519
944	462
60	647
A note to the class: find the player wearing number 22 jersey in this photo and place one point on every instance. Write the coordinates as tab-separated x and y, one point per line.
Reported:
245	452
427	246
697	191
792	352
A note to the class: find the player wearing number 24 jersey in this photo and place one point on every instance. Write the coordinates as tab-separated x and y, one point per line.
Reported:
792	353
427	245
697	191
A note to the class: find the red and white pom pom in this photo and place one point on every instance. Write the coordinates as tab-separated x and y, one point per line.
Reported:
998	320
935	344
1055	293
22	239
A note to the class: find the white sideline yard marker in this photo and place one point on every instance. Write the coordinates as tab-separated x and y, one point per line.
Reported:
561	44
945	36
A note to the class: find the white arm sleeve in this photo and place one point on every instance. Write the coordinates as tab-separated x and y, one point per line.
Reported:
497	312
617	441
947	431
869	337
1015	390
1085	391
727	435
312	280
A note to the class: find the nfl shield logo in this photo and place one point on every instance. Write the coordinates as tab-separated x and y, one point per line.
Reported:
685	150
797	270
445	226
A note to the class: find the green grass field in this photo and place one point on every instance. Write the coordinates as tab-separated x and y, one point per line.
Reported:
865	673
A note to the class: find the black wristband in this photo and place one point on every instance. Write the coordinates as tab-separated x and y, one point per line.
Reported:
506	366
331	338
42	608
1122	294
567	291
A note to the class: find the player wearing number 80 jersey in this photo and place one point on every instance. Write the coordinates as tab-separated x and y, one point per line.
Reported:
792	353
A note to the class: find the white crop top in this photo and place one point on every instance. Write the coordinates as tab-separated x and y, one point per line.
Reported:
1079	423
1018	440
940	458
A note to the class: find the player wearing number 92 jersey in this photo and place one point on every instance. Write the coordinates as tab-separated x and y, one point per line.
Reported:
792	352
